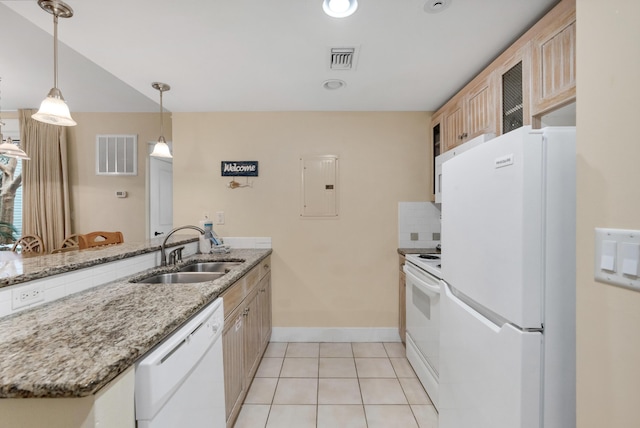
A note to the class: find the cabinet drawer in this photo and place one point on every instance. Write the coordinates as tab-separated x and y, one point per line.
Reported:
265	266
233	296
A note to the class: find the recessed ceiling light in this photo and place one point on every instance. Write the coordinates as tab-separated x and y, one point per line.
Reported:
436	6
339	8
333	84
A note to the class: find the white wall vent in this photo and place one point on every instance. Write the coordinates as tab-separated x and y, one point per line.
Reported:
116	155
342	58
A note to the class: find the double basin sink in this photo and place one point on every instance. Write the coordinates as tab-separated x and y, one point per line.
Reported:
197	272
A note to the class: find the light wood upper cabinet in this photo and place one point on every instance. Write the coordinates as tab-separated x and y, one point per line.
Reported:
480	104
554	64
471	115
453	121
513	91
437	147
544	57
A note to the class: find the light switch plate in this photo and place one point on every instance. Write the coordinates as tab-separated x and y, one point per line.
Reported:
220	217
617	257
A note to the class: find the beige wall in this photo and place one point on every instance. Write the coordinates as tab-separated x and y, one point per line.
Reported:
326	273
608	319
94	205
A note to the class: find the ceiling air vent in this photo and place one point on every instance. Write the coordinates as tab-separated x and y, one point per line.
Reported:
342	58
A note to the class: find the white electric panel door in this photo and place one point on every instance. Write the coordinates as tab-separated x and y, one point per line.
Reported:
319	186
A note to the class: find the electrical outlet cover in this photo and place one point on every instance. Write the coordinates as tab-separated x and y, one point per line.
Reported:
26	296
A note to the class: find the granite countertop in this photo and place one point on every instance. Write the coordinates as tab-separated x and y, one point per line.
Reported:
74	346
16	268
405	251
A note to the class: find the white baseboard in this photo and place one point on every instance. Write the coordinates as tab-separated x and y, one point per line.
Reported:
335	334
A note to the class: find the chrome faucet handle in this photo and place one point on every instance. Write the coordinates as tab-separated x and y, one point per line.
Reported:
175	255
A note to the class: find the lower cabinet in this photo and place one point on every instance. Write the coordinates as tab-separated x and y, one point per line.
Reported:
233	356
402	303
251	336
246	334
264	299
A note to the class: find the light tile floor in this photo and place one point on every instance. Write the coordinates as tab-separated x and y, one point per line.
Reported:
336	385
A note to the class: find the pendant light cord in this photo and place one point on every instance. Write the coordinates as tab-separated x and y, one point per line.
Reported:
161	114
55	50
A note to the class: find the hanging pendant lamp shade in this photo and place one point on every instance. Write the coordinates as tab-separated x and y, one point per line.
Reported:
53	109
161	149
7	148
11	150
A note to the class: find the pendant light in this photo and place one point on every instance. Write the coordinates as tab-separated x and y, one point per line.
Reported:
7	148
339	8
11	150
161	149
53	109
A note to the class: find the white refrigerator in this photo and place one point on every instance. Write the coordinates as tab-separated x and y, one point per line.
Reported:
507	344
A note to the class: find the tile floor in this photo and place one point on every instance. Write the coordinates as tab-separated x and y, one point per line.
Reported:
336	385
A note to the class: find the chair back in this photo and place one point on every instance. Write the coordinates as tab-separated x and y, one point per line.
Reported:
70	243
97	239
29	244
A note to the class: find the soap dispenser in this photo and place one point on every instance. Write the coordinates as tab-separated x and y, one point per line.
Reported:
205	240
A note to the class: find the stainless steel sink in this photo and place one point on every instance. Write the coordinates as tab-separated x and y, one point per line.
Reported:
181	277
222	267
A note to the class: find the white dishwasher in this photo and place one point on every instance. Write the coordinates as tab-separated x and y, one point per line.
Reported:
181	382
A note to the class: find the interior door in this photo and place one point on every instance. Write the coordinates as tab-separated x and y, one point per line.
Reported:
160	196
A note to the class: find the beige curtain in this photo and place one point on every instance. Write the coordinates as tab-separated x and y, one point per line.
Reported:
45	194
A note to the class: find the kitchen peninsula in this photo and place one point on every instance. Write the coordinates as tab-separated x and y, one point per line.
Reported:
77	345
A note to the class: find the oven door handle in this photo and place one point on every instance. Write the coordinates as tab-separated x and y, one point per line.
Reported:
420	282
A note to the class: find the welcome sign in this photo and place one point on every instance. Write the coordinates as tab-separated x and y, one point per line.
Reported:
239	168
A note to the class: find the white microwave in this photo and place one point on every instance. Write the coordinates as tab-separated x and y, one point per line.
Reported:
451	153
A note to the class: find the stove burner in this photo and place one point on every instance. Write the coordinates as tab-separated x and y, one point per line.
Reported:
429	257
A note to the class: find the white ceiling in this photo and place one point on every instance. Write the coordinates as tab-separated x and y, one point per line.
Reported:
252	55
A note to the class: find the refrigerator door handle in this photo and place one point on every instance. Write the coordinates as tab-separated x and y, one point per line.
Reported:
492	321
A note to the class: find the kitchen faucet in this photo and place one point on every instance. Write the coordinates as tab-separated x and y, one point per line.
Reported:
163	256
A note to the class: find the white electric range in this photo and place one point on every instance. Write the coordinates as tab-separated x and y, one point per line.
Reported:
423	319
429	262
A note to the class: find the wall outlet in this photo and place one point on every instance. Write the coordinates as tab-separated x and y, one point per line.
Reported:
25	296
414	236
